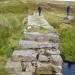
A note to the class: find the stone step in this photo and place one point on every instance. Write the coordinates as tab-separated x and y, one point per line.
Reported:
28	56
32	44
37	22
13	67
57	60
24	55
36	36
23	73
34	20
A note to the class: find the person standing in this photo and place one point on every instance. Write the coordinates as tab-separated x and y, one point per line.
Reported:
68	10
39	10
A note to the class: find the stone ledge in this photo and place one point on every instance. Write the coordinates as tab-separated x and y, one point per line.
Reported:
24	55
32	44
41	37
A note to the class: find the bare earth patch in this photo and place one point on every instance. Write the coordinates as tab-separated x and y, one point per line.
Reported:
65	26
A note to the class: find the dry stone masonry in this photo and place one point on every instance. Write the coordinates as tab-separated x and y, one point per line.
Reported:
39	52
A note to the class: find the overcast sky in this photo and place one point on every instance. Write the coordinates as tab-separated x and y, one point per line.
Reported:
64	0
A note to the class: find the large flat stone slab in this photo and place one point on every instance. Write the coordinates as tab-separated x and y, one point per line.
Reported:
33	44
41	37
35	20
13	67
24	55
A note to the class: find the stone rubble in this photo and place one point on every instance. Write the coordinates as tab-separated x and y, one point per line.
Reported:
39	53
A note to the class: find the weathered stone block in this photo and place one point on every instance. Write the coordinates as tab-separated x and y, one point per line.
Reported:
24	55
13	67
41	37
33	44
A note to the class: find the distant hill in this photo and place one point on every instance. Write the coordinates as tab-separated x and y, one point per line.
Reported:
37	1
9	2
48	1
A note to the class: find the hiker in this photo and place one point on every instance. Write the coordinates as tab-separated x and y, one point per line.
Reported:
68	10
39	10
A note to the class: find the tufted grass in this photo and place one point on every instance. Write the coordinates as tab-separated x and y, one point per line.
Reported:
11	31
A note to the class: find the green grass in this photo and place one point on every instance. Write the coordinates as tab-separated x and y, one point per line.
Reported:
67	43
54	21
43	30
11	31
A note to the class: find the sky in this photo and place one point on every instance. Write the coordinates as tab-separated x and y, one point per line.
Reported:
64	0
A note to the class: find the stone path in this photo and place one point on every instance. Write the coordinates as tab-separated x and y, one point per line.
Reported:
39	53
